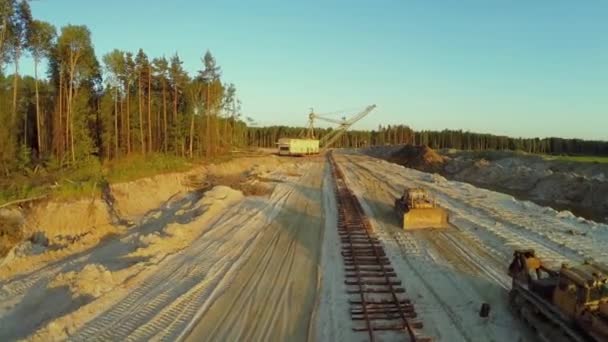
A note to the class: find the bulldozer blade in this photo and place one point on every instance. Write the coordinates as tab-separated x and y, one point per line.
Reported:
425	218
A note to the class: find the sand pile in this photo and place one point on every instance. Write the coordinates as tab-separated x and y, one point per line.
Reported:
422	158
64	222
53	230
578	187
60	265
176	236
69	227
10	233
125	264
134	199
248	175
93	281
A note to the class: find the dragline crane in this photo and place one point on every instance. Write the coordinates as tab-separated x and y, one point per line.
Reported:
343	126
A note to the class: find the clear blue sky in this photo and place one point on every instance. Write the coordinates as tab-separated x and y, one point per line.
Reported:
521	68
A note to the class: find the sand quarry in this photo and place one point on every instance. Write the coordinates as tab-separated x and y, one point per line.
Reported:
249	250
564	185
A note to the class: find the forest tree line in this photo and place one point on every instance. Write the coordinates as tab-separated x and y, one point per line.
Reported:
129	103
457	139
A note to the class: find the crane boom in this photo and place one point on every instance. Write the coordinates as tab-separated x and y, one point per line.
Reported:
315	116
332	137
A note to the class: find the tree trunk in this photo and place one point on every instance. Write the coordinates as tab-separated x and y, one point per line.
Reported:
208	125
128	119
175	123
164	116
191	134
61	140
39	139
183	143
121	140
199	147
158	133
73	61
141	117
150	108
15	85
68	118
116	123
25	129
70	108
216	125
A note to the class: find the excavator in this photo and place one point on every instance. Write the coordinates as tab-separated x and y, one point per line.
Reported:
568	304
343	125
310	144
417	209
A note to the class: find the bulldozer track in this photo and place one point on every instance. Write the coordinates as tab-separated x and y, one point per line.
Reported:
376	294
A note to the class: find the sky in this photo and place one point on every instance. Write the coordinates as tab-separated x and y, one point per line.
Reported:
517	68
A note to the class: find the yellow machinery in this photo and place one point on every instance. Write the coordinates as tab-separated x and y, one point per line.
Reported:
419	210
569	304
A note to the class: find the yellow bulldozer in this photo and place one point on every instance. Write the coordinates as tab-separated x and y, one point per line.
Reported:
568	304
417	209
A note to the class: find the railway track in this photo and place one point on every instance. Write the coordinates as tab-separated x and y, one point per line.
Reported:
377	299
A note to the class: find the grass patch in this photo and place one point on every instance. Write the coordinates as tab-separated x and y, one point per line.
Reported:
135	167
87	179
62	183
579	159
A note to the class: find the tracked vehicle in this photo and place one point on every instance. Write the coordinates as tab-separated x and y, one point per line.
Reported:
416	209
568	304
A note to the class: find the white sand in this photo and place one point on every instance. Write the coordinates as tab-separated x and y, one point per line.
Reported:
221	266
450	273
150	280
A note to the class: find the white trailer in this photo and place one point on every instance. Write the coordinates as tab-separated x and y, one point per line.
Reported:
297	147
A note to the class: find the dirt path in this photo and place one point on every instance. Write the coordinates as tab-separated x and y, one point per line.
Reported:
177	263
448	273
272	295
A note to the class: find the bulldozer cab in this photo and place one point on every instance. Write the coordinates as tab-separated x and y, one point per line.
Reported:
528	270
416	209
418	198
525	266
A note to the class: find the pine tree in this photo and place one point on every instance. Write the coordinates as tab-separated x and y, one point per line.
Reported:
115	66
210	75
178	80
41	41
162	70
142	68
76	55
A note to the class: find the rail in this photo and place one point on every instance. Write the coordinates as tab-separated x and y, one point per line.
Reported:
370	279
